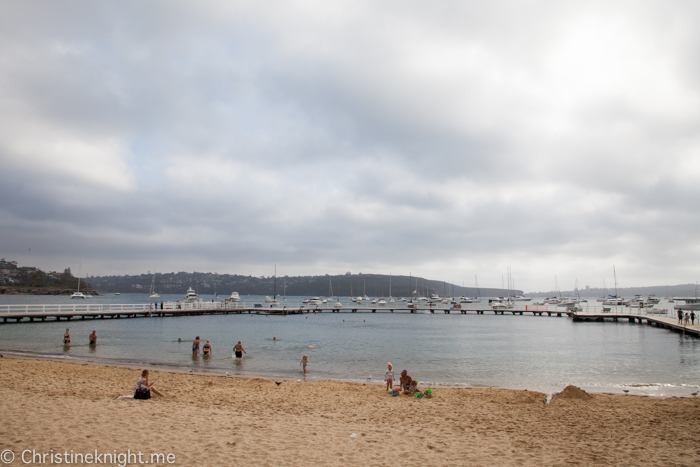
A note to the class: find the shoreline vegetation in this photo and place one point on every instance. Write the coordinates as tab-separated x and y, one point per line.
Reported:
256	422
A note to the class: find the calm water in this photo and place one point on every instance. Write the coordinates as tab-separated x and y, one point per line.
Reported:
538	353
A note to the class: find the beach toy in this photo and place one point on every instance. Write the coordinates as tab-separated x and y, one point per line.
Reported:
395	393
390	391
428	393
419	395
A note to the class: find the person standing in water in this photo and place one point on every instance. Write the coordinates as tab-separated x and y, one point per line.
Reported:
195	347
206	349
239	350
304	363
93	338
66	338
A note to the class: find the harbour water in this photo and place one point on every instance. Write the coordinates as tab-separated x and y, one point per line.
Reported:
523	352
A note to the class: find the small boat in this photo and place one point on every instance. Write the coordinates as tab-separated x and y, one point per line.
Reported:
117	293
315	301
78	294
338	304
381	302
191	296
153	293
520	298
235	297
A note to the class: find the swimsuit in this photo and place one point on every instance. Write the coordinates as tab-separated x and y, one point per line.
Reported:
239	354
304	364
66	340
195	347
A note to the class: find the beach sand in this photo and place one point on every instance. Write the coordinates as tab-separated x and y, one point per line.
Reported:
214	421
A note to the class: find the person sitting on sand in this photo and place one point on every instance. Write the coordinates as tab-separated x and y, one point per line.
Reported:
195	347
239	350
389	377
66	338
93	338
206	349
405	382
144	387
304	362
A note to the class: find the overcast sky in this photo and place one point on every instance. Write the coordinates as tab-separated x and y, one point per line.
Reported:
447	139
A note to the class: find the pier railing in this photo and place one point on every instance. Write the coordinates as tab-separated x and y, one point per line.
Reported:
77	308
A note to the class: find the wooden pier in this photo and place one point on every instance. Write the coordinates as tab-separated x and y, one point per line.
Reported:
83	311
661	321
87	311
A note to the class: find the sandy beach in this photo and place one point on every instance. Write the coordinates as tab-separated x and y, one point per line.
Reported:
48	405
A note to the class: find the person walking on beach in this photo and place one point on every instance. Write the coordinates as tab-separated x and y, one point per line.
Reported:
304	363
93	338
66	338
389	377
195	347
239	350
206	349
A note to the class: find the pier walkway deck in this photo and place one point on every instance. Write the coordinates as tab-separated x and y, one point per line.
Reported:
653	319
70	311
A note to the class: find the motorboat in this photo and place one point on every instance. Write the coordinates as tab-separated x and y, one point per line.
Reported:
268	299
613	300
520	298
191	296
653	300
374	301
381	302
690	304
435	297
551	300
274	302
234	297
315	301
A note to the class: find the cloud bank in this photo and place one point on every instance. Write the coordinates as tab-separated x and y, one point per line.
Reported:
451	140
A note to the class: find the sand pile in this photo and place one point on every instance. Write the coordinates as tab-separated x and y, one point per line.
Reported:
572	392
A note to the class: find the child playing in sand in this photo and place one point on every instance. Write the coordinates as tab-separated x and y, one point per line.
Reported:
405	382
304	362
389	377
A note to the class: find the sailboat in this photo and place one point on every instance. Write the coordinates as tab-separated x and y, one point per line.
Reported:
78	294
153	293
274	301
391	299
614	299
364	295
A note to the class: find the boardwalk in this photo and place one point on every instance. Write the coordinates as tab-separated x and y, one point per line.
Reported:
87	311
657	320
82	310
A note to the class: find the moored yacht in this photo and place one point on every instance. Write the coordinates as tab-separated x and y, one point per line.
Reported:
235	297
78	295
191	296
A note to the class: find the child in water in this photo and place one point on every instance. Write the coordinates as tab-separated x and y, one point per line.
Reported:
389	377
304	362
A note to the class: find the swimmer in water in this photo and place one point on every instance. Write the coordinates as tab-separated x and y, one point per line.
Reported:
239	350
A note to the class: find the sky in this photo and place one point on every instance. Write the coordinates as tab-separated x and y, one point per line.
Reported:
447	140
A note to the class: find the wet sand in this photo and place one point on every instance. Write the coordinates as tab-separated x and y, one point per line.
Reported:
216	420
